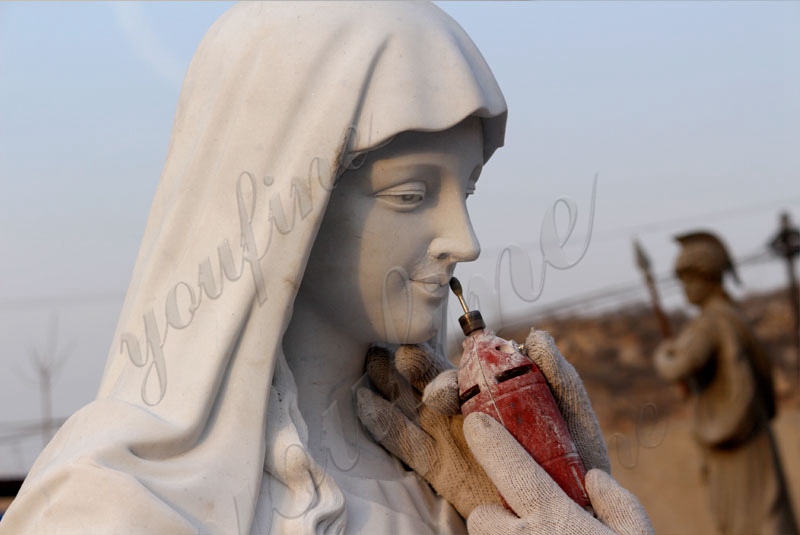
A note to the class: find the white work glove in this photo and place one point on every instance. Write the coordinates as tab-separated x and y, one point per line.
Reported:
541	507
393	427
430	441
571	398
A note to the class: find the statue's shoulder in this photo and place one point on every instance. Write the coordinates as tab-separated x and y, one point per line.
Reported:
721	309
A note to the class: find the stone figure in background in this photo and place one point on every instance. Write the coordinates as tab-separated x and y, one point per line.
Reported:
730	380
313	202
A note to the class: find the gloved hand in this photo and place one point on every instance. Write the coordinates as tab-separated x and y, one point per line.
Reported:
392	426
571	398
428	436
540	505
441	392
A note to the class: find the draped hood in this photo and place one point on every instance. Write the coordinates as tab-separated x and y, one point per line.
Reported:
278	98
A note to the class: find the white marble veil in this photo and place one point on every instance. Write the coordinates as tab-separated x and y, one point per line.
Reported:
276	98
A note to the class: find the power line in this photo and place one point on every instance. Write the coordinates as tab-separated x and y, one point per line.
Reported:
62	300
710	216
599	235
620	294
671	223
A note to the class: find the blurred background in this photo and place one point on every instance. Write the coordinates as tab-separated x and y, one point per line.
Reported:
647	118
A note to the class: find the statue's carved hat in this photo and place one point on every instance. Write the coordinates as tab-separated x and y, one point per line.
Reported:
706	253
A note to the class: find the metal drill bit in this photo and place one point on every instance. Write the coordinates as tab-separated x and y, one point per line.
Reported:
456	287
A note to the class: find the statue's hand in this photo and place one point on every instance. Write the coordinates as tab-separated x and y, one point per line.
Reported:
416	418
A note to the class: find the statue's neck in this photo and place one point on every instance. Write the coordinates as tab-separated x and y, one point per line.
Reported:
327	365
717	294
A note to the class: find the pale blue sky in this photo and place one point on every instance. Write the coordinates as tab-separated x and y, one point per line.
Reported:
683	108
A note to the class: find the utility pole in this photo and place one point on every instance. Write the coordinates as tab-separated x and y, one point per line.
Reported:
786	243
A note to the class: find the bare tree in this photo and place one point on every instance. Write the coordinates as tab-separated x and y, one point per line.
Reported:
47	365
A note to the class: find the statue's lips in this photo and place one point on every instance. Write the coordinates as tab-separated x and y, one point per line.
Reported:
434	285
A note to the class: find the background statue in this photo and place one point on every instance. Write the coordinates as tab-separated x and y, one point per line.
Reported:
313	202
730	380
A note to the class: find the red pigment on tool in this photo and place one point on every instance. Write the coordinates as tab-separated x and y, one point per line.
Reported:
495	378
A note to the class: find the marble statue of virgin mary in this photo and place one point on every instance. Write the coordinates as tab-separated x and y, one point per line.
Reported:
199	424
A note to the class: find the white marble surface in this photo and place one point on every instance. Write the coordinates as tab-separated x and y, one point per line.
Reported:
193	422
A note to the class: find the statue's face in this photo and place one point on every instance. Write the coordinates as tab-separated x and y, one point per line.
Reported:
697	286
392	234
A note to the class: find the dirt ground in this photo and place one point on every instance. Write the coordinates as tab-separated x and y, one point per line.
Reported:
666	477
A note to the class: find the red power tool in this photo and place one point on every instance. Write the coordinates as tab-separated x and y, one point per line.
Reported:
495	378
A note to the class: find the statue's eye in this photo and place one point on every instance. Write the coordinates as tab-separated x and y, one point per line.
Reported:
412	197
405	196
